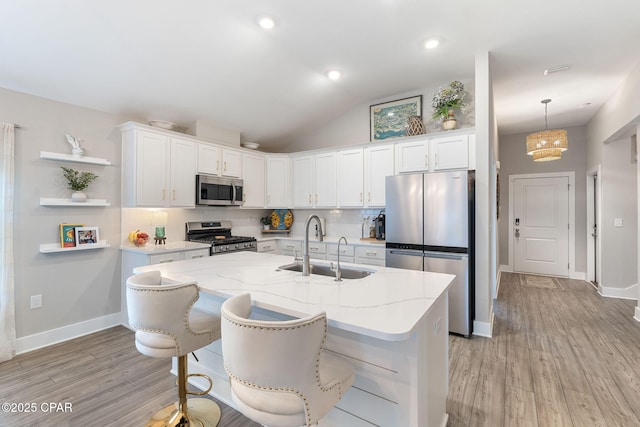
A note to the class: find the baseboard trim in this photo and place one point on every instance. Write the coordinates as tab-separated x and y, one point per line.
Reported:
578	275
637	316
484	329
623	293
506	268
65	333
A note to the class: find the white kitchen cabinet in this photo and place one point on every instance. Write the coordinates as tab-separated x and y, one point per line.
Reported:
277	192
220	161
370	255
208	159
412	156
314	180
254	179
158	170
268	246
290	247
450	152
351	178
317	250
326	180
378	165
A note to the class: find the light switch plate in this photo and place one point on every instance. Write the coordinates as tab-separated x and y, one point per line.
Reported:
617	222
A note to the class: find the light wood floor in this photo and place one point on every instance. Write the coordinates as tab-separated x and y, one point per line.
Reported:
561	356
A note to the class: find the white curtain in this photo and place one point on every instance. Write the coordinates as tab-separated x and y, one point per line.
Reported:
7	307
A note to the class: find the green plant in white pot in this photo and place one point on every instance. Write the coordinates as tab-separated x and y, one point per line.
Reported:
78	182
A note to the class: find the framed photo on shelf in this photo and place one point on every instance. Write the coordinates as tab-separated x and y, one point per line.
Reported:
68	235
87	236
390	119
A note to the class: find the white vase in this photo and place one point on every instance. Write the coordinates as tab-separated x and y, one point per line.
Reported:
266	227
78	196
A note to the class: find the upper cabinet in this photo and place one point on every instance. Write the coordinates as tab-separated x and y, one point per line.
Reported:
253	165
314	180
436	153
277	182
412	156
221	161
378	165
351	178
450	152
158	170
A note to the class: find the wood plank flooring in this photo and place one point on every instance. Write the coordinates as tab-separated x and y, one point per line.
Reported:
561	356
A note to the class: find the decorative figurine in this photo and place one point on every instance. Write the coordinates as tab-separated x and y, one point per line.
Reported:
76	149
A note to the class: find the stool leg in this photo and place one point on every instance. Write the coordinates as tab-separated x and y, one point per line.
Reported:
186	412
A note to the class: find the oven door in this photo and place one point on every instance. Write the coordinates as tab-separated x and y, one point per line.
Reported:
218	191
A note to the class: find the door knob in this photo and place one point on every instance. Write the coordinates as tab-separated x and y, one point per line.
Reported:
517	232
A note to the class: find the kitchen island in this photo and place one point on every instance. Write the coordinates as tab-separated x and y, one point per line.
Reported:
391	325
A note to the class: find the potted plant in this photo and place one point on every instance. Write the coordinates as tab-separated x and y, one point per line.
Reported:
78	182
446	100
266	222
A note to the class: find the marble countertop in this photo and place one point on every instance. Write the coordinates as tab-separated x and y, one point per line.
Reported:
387	305
176	246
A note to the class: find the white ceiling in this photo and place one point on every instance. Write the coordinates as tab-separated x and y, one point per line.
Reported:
208	60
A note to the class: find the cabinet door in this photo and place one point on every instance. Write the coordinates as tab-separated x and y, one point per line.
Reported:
450	152
277	182
183	173
351	177
302	181
231	163
326	181
378	165
208	159
152	165
412	156
254	173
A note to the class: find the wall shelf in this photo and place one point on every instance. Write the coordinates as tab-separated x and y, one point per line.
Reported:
47	248
69	158
44	201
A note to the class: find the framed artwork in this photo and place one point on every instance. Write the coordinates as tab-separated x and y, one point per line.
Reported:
389	119
68	235
87	236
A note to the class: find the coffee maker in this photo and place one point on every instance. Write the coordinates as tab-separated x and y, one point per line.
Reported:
379	225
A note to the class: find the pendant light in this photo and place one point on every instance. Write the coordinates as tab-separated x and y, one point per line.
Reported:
548	144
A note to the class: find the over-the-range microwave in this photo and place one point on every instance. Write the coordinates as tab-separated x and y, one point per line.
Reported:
218	191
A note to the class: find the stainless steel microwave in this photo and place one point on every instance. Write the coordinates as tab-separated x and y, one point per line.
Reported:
218	191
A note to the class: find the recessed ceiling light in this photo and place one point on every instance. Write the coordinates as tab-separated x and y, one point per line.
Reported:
334	75
431	43
266	22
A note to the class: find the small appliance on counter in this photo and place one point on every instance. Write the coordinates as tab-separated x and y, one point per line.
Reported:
379	226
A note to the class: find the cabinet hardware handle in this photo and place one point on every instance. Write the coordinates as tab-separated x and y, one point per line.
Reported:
426	160
174	194
309	198
316	197
436	159
217	165
244	196
290	246
371	253
369	195
166	261
361	197
266	247
225	166
163	193
197	256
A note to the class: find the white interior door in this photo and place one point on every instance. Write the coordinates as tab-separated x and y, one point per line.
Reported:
541	226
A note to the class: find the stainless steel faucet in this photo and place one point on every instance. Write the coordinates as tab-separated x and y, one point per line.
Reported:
338	272
305	249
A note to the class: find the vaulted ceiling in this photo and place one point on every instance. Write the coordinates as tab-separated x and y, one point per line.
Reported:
209	60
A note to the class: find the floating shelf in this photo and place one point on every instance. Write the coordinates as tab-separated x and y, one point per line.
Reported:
276	231
67	202
47	248
69	158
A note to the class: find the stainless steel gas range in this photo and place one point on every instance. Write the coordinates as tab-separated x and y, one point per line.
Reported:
218	234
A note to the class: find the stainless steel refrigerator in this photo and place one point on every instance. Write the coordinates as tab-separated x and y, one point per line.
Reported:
430	227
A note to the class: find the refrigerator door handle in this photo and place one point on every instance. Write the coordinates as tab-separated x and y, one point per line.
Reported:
410	253
444	255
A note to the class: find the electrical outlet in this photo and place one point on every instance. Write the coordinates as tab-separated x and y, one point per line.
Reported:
36	301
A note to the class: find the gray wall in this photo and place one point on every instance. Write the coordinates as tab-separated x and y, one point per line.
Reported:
514	160
76	286
619	200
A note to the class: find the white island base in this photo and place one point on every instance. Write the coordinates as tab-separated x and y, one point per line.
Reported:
401	378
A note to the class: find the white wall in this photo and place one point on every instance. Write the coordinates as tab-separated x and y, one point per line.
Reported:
514	160
75	287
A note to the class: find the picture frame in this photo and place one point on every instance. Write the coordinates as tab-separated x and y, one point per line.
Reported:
68	235
87	236
389	119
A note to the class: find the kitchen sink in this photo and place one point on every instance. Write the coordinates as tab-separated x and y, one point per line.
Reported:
325	270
